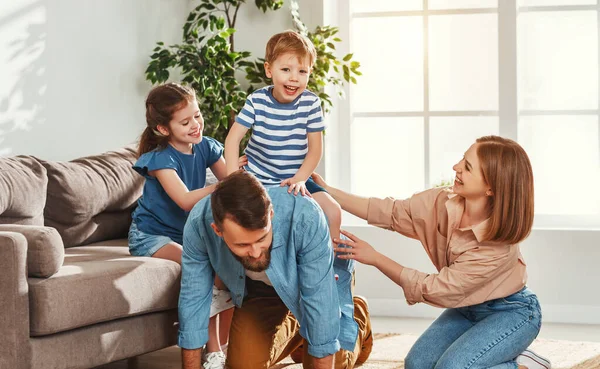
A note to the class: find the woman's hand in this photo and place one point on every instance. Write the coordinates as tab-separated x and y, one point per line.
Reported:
318	180
357	249
242	161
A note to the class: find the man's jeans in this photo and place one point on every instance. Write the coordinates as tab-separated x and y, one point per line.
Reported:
488	335
264	332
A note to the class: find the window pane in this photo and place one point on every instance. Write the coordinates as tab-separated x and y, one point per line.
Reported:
462	4
564	152
363	6
555	2
387	156
393	82
449	138
558	60
463	62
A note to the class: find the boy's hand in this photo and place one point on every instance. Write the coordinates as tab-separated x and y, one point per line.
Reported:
296	186
242	161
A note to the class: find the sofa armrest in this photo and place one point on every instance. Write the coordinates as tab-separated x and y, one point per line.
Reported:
45	249
14	304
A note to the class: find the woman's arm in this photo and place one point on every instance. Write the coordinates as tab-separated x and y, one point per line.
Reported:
232	146
178	191
362	252
353	204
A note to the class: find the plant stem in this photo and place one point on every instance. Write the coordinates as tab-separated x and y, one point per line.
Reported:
232	25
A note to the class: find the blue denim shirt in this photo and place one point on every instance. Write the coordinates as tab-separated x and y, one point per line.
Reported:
302	272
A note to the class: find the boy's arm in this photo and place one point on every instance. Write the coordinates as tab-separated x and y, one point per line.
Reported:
313	156
232	146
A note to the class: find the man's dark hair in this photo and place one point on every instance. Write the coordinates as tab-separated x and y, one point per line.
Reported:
243	199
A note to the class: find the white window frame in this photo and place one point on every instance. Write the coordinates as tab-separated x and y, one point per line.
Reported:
338	140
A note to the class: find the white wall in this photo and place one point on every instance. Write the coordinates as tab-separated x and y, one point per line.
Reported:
72	72
72	83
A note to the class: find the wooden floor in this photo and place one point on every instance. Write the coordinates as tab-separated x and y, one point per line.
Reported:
170	358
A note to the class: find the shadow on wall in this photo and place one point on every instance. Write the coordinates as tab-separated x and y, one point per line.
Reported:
23	40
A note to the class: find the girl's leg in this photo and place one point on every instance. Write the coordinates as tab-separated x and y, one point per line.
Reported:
432	344
225	318
332	210
504	328
213	343
171	251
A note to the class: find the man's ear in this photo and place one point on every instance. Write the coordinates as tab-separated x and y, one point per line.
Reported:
268	70
216	229
271	213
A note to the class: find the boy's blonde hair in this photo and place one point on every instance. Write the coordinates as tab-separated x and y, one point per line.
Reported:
290	42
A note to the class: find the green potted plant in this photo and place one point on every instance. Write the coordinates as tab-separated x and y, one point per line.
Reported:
207	61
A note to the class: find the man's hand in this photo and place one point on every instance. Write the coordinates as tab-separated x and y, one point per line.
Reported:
190	359
323	363
296	185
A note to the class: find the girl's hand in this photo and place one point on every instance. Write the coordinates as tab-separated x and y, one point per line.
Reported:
318	180
242	161
296	186
357	249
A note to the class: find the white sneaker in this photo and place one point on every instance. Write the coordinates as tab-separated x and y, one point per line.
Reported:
214	360
533	361
221	301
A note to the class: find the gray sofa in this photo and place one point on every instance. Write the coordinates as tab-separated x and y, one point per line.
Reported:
71	296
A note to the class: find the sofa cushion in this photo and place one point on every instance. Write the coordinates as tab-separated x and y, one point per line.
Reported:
23	185
90	199
99	283
45	249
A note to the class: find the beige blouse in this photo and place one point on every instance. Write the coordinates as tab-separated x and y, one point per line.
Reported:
469	271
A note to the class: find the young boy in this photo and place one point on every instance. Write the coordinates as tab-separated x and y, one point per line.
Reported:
287	125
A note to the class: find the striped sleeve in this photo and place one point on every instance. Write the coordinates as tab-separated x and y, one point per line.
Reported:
315	117
246	117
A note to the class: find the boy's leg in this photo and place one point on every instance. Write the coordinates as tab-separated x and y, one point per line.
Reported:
332	210
263	331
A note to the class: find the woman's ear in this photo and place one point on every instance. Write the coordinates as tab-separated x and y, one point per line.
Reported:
489	192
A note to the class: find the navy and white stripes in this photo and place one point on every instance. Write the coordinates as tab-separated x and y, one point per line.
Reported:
279	140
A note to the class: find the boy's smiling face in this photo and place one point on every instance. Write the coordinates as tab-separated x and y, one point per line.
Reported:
290	74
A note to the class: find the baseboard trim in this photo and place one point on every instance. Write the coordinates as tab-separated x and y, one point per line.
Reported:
569	314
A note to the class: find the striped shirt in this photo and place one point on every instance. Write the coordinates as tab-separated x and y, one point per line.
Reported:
279	140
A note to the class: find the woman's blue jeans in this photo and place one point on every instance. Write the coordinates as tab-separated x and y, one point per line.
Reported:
488	335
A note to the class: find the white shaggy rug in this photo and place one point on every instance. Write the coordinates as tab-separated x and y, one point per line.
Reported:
389	351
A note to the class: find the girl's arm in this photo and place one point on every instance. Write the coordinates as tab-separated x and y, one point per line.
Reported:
178	191
232	146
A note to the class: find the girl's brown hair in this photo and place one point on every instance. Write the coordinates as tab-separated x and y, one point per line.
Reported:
507	170
161	103
290	42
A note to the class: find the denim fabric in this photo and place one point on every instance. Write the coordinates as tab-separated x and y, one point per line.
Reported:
144	244
488	335
302	272
313	187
